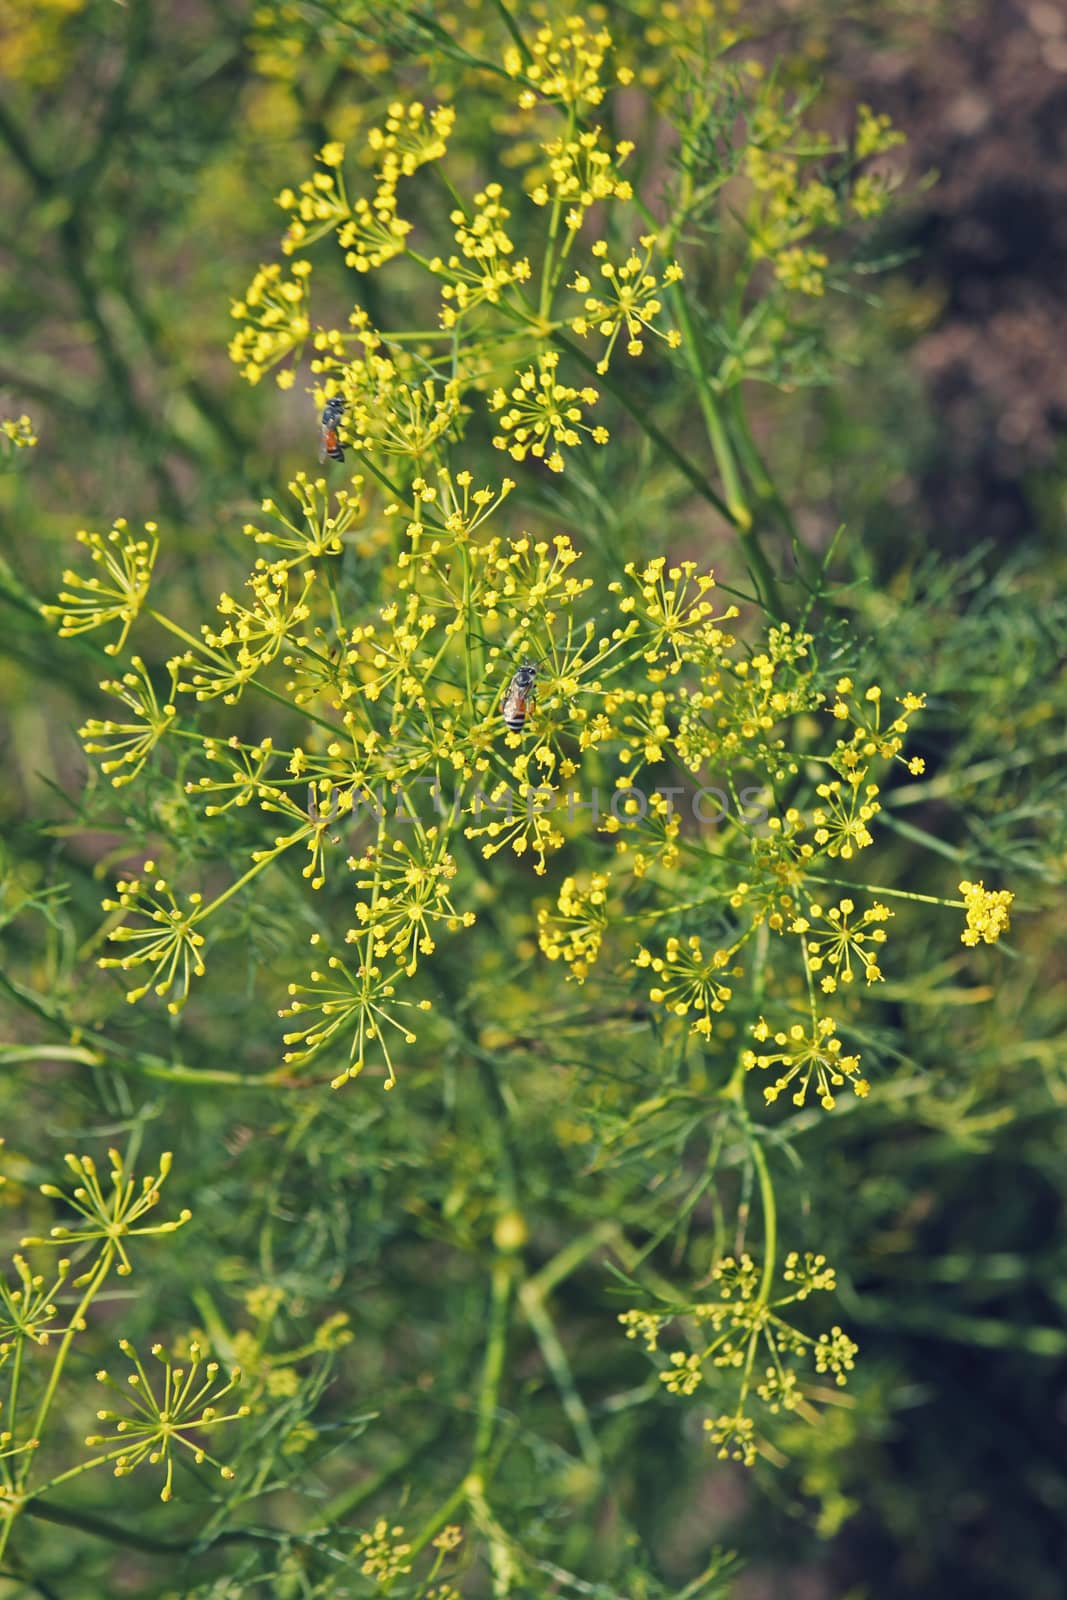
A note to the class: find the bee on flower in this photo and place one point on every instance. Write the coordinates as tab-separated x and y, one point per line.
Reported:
330	442
519	698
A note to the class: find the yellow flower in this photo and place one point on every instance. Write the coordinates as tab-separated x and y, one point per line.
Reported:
118	593
539	410
573	932
19	431
274	311
687	981
987	912
154	1426
564	65
805	1055
128	745
629	298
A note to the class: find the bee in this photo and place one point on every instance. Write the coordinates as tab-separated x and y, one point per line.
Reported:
519	698
330	444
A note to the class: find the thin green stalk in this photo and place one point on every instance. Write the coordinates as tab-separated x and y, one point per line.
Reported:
513	28
896	894
536	1314
770	1219
13	1402
544	302
246	877
436	1522
101	1528
92	1288
503	1277
717	435
22	1474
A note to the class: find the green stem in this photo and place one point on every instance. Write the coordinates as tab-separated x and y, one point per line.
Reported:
68	1517
717	435
896	894
435	1523
256	868
513	28
536	1313
544	302
499	1304
96	1279
92	1288
770	1219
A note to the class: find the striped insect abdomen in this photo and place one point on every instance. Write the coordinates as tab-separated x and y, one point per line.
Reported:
519	698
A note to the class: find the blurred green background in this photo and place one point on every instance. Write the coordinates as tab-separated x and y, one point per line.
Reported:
142	146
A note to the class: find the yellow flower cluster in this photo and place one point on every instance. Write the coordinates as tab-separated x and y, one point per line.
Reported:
128	745
875	133
319	205
250	637
987	912
629	299
580	172
410	137
572	933
484	267
540	411
151	1427
117	592
170	945
408	892
394	416
317	529
676	622
790	204
688	981
745	1322
274	310
565	65
806	1056
382	1553
107	1217
832	938
18	431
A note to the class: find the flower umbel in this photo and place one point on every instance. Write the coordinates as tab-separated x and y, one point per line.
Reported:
114	1217
127	745
688	981
19	432
382	1553
171	945
27	1310
357	996
745	1322
806	1055
987	912
540	411
573	931
117	593
274	311
156	1425
836	939
629	297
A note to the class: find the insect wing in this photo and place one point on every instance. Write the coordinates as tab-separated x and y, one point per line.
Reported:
330	446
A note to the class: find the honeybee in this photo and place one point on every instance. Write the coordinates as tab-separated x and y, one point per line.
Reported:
330	444
519	698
